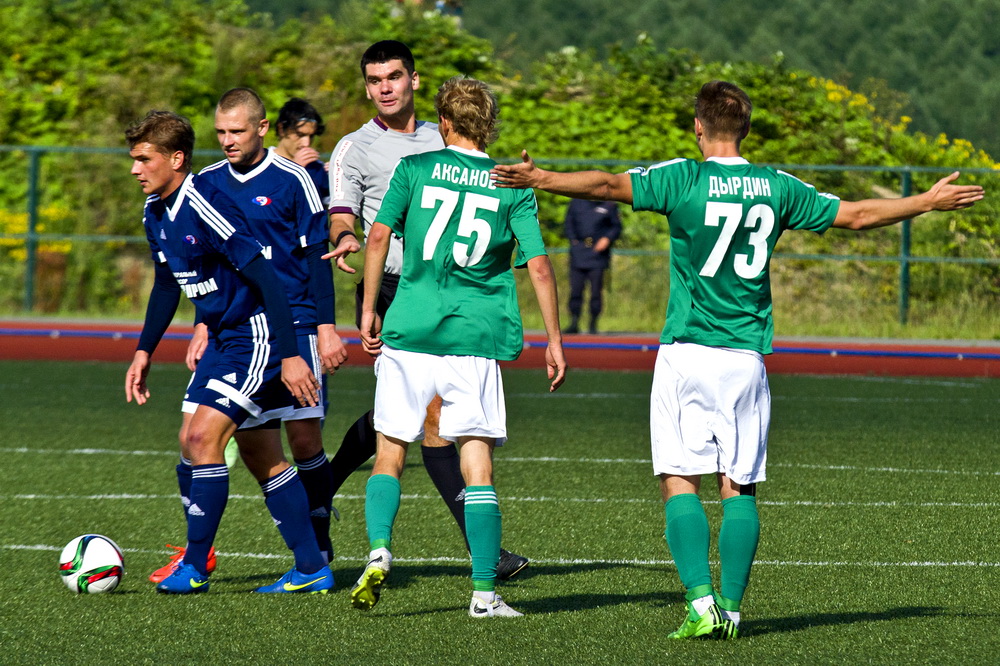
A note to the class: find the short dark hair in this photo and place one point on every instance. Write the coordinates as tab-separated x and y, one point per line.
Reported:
165	130
471	107
724	110
386	50
295	112
247	97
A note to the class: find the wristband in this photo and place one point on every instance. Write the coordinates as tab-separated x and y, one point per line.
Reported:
340	237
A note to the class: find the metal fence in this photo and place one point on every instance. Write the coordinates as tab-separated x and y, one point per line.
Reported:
904	258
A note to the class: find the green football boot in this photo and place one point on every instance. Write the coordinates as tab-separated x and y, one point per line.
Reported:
705	626
728	631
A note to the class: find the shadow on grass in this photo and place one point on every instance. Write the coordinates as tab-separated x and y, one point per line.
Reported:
403	575
573	603
802	622
534	570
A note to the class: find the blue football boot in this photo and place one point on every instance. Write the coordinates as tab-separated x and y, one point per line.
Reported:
294	581
185	580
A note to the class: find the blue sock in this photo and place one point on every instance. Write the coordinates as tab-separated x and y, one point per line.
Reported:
316	475
184	483
286	500
209	493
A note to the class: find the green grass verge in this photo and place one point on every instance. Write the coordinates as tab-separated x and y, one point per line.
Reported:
878	545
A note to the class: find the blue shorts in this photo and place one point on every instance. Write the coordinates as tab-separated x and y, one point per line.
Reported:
306	338
240	376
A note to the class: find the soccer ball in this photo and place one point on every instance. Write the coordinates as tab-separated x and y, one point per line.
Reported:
91	563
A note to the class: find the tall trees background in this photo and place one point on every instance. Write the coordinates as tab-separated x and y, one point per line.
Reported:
576	81
941	55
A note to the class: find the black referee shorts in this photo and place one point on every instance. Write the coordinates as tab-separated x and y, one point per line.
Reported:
387	292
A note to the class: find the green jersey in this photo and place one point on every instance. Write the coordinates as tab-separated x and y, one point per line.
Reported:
456	293
725	217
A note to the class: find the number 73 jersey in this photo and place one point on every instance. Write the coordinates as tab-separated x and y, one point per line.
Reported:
456	292
725	216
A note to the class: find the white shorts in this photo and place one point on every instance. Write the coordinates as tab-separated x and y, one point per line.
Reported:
470	387
709	412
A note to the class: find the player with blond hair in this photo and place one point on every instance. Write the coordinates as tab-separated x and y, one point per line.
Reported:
455	316
360	168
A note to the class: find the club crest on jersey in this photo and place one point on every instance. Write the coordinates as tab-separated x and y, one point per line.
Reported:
190	240
262	201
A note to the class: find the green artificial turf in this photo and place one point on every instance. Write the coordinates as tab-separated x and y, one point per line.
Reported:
879	524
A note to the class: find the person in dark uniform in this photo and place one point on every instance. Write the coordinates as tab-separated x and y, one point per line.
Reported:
591	227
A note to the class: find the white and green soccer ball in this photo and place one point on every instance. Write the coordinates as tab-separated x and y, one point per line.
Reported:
91	563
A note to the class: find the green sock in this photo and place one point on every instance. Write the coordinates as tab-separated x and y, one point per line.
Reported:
482	526
688	538
738	539
381	506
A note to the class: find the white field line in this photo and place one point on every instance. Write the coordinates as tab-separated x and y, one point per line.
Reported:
550	500
556	561
87	452
644	397
539	459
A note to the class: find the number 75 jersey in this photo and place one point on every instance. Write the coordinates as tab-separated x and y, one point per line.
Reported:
456	293
725	216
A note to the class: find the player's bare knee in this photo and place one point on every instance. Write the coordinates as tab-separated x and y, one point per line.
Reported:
390	456
203	445
477	460
305	438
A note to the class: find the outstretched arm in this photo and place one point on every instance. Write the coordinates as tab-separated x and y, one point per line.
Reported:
598	185
345	241
544	283
874	213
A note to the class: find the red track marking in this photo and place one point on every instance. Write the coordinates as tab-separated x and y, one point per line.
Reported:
113	341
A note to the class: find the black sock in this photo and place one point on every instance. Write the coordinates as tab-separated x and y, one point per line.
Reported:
356	448
444	468
315	474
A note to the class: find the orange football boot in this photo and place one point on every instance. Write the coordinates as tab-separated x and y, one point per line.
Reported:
175	562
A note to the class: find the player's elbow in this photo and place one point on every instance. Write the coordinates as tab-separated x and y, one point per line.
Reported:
619	188
540	270
378	234
852	216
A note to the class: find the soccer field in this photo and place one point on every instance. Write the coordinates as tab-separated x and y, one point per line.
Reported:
879	532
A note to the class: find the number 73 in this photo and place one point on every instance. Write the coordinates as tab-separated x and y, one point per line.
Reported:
760	218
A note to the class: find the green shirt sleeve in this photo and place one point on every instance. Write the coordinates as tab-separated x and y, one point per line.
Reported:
650	187
524	224
805	208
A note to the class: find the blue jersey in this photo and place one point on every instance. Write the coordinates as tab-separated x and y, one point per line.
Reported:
283	211
202	236
321	179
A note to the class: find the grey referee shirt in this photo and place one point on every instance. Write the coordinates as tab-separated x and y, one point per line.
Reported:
361	166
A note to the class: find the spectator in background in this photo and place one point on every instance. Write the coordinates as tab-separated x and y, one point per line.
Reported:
298	124
591	227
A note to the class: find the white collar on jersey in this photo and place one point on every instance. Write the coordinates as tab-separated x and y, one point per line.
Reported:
181	193
466	151
728	160
269	156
